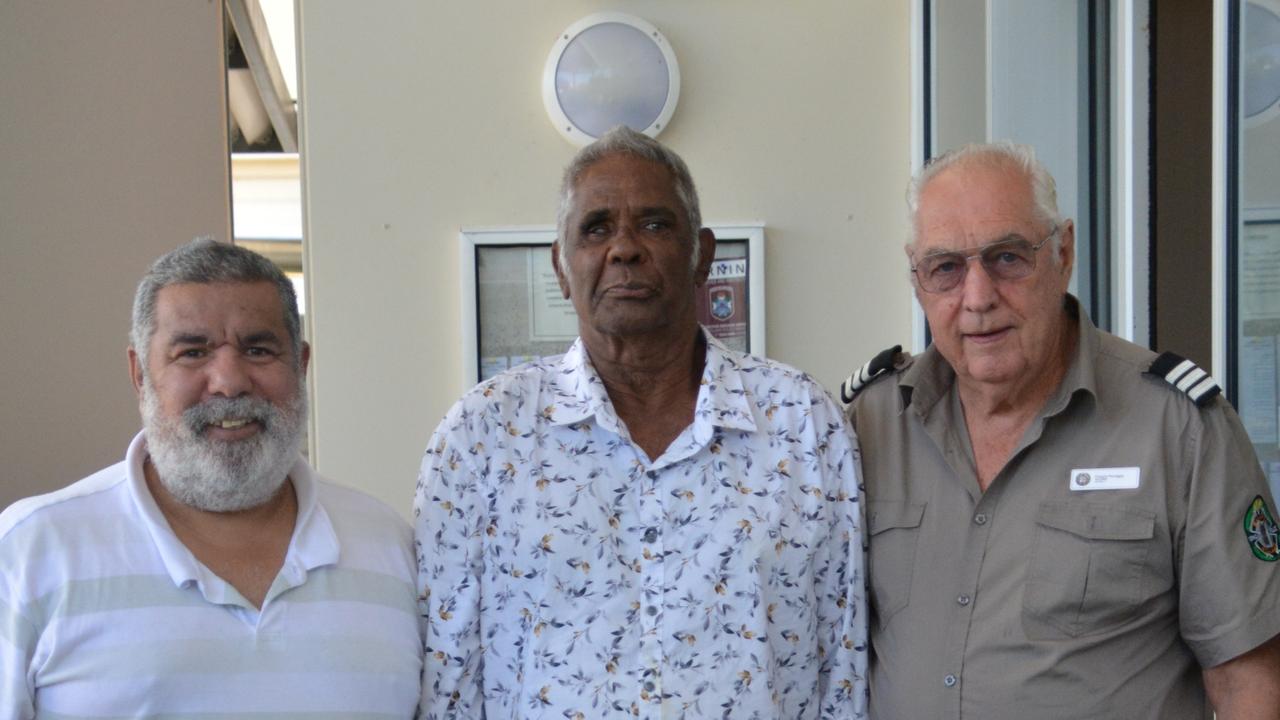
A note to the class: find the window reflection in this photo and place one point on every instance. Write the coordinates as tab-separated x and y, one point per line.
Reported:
1255	292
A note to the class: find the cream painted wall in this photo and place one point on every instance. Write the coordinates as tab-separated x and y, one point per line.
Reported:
422	118
112	150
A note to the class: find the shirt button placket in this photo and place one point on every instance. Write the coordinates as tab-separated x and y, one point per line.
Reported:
964	604
653	578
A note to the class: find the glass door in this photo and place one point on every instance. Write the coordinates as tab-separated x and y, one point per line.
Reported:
1038	73
1252	165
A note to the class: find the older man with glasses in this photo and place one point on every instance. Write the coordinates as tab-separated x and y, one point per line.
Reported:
1062	523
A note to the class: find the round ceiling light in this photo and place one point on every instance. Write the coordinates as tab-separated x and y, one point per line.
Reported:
610	69
1260	64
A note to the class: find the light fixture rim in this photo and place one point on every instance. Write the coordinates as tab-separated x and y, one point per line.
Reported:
551	101
1268	113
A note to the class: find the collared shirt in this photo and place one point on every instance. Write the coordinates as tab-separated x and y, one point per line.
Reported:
1105	565
105	613
564	574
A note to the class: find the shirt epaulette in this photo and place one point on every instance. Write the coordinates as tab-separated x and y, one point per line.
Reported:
1186	376
874	368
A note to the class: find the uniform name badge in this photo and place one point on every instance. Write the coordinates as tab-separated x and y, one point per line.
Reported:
1116	478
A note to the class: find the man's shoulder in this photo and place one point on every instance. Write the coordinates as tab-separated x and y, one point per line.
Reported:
1128	357
71	498
870	378
513	385
1155	374
777	377
343	500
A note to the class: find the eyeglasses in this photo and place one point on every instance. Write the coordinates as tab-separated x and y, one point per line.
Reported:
1003	260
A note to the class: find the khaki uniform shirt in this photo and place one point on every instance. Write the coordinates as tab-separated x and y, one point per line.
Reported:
1034	600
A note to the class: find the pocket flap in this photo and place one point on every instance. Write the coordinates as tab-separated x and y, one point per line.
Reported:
1097	521
888	514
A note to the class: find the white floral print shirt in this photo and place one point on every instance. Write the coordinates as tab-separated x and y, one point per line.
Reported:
563	574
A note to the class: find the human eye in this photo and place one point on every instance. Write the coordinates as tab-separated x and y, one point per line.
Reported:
594	232
942	266
261	347
190	354
656	225
1007	255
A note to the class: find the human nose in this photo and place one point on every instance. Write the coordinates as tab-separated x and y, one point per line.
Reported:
226	373
624	247
977	285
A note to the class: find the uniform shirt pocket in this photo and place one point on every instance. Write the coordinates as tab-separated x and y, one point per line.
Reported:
894	530
1088	565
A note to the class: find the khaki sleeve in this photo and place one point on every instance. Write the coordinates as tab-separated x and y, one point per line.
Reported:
1229	593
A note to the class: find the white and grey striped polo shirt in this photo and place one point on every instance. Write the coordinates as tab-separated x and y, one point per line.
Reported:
104	613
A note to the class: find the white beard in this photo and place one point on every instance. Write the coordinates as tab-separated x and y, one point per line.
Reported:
220	476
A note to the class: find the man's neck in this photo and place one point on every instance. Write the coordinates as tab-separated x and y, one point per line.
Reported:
998	415
652	382
246	548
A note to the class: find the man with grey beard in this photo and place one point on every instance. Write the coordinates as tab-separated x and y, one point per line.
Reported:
212	572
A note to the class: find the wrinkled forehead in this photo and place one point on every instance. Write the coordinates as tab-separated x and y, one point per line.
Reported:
975	203
184	307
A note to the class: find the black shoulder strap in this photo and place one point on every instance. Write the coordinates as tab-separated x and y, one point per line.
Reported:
874	368
1186	376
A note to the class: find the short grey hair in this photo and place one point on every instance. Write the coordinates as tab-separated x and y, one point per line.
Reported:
1044	191
622	140
205	261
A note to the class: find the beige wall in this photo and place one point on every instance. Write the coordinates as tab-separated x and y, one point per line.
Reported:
422	118
112	150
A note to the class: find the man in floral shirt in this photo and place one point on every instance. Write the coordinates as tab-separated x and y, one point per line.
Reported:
650	525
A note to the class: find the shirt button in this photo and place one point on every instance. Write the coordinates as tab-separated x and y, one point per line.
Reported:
648	686
949	681
980	518
651	535
963	600
653	474
652	610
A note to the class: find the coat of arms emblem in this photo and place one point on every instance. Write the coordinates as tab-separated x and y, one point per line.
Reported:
721	302
1260	528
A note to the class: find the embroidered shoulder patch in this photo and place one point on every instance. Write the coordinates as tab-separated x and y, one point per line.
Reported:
1186	376
1260	528
875	367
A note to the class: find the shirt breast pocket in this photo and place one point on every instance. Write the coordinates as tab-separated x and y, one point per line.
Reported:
1088	565
894	530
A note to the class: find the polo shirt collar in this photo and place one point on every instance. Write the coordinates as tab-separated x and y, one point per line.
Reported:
579	393
314	542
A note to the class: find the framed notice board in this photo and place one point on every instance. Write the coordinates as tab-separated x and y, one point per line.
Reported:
513	311
1254	302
